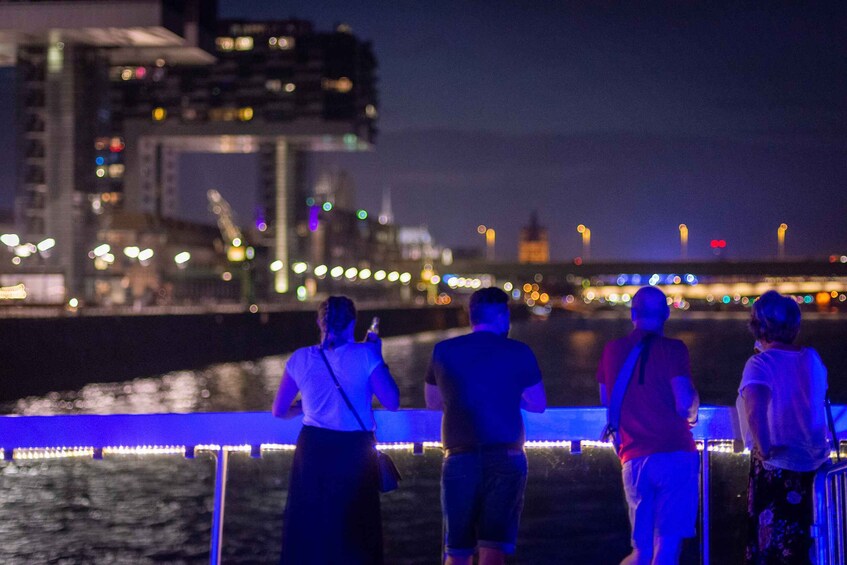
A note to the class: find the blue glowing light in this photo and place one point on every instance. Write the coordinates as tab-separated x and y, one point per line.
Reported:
726	299
327	206
310	201
622	280
100	161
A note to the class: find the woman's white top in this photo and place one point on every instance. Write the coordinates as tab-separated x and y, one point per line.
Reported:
796	413
323	405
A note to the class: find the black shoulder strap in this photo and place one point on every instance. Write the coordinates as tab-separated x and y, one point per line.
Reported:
341	390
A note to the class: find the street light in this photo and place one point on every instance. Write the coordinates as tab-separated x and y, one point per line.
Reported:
586	241
780	240
490	237
683	241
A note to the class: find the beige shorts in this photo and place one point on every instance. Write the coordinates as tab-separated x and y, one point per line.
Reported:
662	492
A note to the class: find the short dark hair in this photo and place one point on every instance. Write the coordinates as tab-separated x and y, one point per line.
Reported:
486	304
775	318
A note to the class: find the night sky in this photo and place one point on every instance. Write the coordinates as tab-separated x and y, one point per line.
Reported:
630	118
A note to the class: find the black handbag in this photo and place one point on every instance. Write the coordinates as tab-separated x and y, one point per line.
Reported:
389	476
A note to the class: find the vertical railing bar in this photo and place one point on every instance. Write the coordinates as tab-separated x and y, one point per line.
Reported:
221	468
705	481
838	539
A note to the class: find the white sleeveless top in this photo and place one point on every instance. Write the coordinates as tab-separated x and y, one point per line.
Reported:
323	405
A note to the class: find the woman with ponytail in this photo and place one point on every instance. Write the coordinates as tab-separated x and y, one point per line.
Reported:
332	513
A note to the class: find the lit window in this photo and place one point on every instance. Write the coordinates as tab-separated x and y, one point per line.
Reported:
126	74
159	114
283	43
116	171
290	87
245	114
244	43
370	111
140	72
342	85
273	85
101	172
225	43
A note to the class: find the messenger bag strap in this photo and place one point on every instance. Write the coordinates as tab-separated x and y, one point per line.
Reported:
341	390
613	411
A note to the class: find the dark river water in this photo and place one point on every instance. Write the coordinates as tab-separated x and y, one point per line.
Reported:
157	509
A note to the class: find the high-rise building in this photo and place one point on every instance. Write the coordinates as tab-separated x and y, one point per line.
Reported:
110	93
533	246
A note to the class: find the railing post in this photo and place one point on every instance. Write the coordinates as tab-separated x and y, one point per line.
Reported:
705	488
221	467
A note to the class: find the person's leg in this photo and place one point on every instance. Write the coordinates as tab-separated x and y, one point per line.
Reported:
460	486
504	483
639	499
676	477
666	550
491	556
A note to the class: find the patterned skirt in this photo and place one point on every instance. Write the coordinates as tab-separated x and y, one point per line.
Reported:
779	516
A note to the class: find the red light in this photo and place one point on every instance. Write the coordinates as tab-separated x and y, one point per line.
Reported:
713	243
140	72
722	243
577	261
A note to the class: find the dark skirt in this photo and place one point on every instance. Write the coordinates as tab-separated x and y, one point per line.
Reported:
332	514
779	516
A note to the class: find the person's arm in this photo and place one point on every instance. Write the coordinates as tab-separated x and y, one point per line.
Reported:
756	399
288	390
686	399
533	398
384	387
434	400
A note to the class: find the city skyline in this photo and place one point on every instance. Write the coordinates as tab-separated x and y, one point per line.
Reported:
630	120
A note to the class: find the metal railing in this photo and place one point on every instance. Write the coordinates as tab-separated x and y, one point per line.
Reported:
830	515
29	437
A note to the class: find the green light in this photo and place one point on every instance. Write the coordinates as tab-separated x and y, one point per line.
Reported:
350	139
310	201
327	206
362	215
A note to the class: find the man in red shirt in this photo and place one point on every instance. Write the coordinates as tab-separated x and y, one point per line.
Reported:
661	466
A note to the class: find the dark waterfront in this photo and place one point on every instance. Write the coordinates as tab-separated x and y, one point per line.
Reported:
158	508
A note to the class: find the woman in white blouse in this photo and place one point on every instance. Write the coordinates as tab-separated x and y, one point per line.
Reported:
781	408
332	513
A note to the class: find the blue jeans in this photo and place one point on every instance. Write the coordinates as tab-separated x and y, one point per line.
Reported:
482	495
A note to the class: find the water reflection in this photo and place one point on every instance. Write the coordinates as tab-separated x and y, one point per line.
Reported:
568	350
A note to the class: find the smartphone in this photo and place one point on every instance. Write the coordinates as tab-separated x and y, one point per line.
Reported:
374	329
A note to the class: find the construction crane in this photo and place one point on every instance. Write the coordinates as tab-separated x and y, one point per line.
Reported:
233	239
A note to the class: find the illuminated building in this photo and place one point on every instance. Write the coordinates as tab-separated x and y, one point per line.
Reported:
111	93
533	246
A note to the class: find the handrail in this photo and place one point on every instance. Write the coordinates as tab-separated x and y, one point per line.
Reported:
256	428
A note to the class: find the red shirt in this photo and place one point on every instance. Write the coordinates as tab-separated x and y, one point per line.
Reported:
649	422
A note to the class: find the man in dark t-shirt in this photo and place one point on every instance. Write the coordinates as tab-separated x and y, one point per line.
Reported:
481	381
